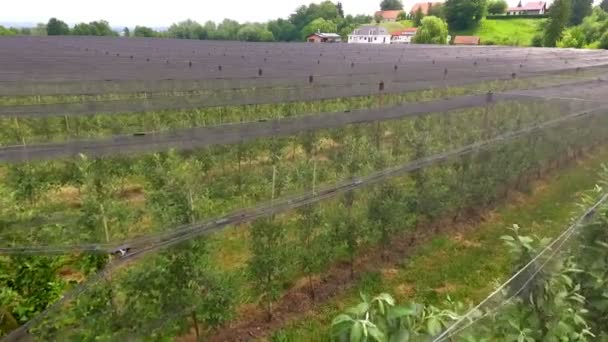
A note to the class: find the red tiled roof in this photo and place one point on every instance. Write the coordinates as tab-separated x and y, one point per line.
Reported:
466	40
530	6
424	6
388	15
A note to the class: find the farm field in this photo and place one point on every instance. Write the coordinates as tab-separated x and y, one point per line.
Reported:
515	32
178	186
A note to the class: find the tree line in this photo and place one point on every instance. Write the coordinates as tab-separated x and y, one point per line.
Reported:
325	17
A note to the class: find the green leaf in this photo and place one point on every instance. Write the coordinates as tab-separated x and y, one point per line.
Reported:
356	332
400	336
387	298
433	325
359	310
400	311
376	334
342	318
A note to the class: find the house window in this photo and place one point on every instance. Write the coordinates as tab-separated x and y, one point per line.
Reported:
375	38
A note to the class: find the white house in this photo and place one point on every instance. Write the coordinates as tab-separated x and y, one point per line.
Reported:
539	7
369	35
403	36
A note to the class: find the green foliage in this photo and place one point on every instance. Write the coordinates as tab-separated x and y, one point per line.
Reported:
463	14
417	17
497	7
126	32
572	38
187	29
29	284
537	40
56	27
509	31
604	5
143	31
318	25
558	20
94	28
266	266
604	40
380	319
402	16
391	5
6	32
580	10
436	10
227	30
432	30
390	210
282	30
378	18
254	33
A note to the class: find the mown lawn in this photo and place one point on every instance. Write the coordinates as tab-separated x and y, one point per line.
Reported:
515	31
466	265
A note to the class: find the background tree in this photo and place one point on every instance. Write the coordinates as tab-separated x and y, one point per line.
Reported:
266	266
436	10
391	5
57	27
432	30
39	30
319	25
378	18
254	33
580	9
604	5
417	17
497	7
604	41
227	30
282	30
463	14
558	19
143	31
6	32
187	29
126	32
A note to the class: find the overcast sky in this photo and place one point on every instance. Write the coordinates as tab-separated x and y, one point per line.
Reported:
164	13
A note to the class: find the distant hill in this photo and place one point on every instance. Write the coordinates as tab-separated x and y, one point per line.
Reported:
515	31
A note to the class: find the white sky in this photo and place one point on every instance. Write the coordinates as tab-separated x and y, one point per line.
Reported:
164	13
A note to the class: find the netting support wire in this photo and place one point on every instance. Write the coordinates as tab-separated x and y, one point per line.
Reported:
559	242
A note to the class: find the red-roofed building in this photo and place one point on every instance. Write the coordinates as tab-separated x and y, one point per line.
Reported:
424	7
403	36
388	15
466	40
537	7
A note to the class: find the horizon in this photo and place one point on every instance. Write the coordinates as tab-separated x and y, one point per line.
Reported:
25	15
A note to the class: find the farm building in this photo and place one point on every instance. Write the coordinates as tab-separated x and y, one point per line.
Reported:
369	35
321	37
531	8
467	40
424	7
403	36
388	16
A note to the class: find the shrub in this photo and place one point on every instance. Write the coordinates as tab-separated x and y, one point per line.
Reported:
537	40
604	41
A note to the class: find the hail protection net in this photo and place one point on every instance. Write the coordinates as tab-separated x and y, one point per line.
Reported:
152	198
540	290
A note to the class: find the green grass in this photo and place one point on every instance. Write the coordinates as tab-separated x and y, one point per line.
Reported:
395	26
504	31
467	265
